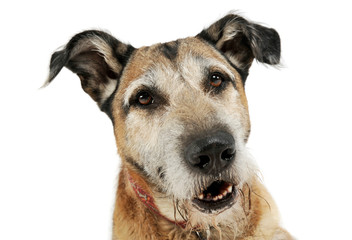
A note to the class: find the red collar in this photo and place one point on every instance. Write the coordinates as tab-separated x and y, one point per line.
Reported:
148	201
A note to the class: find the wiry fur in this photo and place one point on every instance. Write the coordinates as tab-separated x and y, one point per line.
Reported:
151	140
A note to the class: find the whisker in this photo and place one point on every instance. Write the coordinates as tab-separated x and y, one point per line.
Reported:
249	197
218	229
174	205
179	211
250	190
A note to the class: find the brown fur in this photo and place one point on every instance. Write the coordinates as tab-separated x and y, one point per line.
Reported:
109	70
133	220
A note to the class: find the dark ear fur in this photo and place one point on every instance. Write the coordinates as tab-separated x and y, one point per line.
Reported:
98	59
241	41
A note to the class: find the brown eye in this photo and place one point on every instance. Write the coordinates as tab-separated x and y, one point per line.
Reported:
216	80
144	98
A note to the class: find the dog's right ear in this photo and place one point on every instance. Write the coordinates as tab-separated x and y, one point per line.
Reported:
98	59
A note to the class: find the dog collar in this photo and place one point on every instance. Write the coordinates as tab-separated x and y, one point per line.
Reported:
149	202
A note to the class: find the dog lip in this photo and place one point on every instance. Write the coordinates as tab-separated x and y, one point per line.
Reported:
219	196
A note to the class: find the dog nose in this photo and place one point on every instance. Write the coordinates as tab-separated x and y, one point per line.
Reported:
211	154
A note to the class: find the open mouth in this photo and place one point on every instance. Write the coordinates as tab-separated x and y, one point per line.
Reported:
219	196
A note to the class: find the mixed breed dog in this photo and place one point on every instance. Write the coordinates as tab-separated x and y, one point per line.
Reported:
181	122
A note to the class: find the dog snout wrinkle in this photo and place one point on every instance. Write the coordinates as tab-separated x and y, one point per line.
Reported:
211	154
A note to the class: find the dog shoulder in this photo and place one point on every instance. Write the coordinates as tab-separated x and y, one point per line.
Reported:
268	225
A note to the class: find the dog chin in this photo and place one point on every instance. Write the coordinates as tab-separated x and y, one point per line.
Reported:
202	215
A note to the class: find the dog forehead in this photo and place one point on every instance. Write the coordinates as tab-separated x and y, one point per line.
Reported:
171	63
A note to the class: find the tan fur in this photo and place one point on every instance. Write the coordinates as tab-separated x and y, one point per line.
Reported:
153	139
132	220
258	216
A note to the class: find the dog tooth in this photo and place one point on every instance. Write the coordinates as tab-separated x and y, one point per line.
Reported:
220	196
229	189
208	196
201	196
215	198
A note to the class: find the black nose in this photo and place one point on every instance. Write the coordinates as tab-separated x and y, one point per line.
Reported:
211	154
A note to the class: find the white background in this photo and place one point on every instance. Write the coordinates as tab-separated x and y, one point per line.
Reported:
58	160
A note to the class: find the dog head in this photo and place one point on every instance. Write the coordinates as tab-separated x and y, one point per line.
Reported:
179	109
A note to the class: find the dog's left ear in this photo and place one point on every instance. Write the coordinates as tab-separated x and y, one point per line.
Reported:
241	41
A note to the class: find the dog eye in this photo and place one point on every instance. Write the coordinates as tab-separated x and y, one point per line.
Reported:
216	79
144	98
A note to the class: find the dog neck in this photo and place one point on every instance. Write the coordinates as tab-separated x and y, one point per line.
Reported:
148	200
137	214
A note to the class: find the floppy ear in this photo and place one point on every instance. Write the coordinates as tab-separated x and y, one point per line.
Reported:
241	41
98	59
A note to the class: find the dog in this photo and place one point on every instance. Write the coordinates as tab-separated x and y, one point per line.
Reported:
181	122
